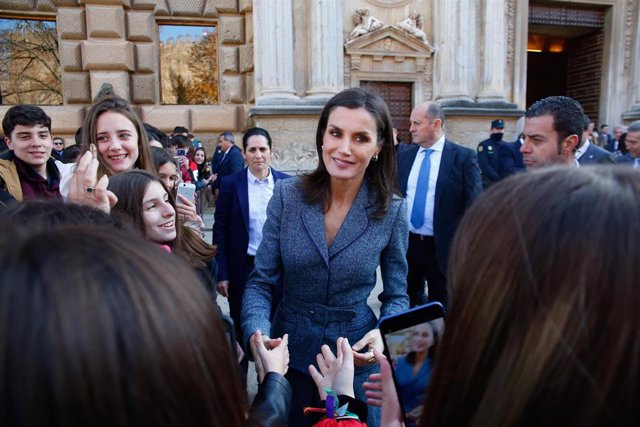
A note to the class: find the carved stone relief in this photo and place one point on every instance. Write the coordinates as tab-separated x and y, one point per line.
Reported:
364	23
628	33
390	54
389	4
511	33
413	25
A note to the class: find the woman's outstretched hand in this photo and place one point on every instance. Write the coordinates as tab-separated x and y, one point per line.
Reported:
336	371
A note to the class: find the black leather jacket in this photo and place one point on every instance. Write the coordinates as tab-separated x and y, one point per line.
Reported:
272	403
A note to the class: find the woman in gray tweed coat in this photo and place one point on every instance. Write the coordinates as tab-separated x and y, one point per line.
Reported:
325	235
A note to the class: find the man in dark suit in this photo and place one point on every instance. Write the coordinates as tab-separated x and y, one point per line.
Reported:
241	211
590	154
632	142
230	161
439	179
488	154
510	158
613	144
553	127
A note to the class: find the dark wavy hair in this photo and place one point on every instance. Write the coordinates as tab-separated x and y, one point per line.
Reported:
544	314
382	174
89	133
109	331
130	187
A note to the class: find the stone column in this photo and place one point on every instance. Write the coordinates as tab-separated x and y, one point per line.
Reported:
456	57
493	85
326	71
273	44
635	59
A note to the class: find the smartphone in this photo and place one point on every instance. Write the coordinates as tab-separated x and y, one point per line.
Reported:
410	343
187	190
181	152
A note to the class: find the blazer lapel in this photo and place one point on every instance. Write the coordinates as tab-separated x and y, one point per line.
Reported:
313	222
242	189
404	169
448	156
354	224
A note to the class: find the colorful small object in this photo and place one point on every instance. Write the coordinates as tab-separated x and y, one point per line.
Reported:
331	403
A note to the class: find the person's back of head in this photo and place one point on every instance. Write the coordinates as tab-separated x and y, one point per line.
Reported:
112	331
44	214
71	154
542	328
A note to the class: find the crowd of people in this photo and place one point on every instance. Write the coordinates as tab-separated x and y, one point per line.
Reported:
108	288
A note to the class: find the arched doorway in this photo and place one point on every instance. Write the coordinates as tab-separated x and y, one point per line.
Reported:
565	53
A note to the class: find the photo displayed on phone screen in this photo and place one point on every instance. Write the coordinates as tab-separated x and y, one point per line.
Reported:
412	351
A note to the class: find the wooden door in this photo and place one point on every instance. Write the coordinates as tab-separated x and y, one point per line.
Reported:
398	96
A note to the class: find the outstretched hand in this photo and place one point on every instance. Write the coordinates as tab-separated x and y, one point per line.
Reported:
381	392
86	189
270	355
336	371
372	340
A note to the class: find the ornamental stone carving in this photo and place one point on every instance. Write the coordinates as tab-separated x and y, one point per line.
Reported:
414	25
364	23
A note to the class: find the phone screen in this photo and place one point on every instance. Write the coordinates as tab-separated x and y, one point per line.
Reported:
186	190
411	341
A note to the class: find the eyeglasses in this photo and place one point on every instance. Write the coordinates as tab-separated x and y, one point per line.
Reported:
58	143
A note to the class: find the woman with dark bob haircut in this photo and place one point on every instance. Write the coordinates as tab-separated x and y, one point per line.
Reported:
543	323
325	235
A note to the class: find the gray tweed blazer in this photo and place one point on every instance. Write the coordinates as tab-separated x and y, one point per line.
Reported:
325	288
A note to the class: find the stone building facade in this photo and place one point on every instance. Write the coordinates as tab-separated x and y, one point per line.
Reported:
280	60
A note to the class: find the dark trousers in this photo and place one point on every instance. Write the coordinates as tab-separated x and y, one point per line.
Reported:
423	265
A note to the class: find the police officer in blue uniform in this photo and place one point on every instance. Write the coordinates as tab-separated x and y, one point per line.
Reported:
488	154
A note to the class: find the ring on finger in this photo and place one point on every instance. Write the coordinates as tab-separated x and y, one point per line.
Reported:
372	358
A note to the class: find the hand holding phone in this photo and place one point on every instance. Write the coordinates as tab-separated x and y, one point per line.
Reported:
410	340
187	190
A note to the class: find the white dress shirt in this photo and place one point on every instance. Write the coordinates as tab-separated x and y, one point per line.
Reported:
435	158
580	151
260	192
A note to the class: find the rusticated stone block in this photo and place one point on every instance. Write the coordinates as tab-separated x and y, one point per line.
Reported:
144	4
65	3
245	54
71	24
145	57
232	89
45	6
210	10
18	4
75	88
141	26
250	85
107	55
229	59
248	27
231	29
185	7
214	118
118	79
71	55
143	89
245	6
108	2
65	119
105	21
166	117
227	6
